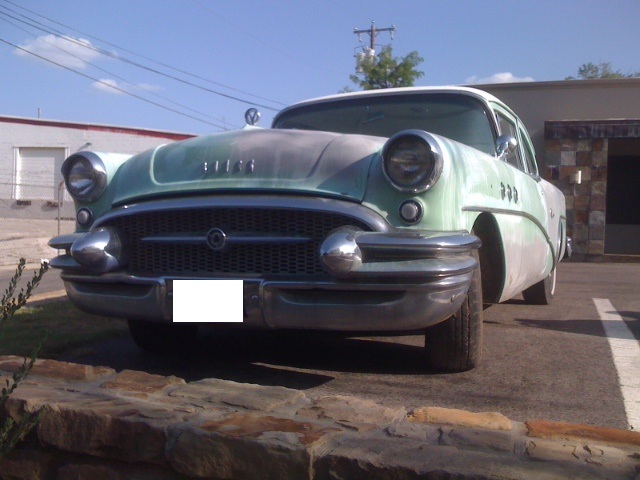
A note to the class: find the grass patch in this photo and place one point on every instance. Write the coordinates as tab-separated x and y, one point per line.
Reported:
62	326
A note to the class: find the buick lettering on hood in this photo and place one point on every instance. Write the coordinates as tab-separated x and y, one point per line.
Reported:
397	211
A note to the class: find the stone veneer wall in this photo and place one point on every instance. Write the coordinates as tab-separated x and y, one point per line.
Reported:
577	145
586	202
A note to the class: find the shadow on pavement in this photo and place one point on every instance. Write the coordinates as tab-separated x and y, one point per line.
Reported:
293	360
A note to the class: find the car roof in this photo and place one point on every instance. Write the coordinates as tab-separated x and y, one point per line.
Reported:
468	91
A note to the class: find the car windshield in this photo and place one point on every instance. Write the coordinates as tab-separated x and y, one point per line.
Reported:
458	117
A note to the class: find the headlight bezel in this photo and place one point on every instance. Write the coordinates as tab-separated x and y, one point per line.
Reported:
91	174
430	162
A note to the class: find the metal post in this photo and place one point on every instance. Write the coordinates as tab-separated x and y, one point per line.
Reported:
59	203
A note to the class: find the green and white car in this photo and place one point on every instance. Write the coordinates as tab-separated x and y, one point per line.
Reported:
395	211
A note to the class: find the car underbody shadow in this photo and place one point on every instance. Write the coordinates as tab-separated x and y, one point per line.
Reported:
299	360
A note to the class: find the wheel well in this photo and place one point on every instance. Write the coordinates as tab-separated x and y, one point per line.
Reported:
491	253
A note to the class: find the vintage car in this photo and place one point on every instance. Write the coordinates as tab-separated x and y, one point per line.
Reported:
396	211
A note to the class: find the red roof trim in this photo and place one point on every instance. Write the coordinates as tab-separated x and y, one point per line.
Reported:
97	128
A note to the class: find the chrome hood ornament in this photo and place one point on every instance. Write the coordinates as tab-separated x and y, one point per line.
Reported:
252	116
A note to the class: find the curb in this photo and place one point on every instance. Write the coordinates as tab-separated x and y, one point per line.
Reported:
98	423
47	297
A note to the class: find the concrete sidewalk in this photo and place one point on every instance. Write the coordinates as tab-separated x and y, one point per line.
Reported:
28	239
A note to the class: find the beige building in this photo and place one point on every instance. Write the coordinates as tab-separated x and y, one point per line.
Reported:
587	138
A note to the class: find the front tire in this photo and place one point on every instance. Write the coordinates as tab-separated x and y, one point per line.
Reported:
542	292
455	345
157	337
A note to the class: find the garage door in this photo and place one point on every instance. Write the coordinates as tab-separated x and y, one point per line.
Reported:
38	173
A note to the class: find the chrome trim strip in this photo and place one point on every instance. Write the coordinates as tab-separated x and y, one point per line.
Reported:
426	267
323	283
516	213
427	244
66	263
64	242
231	239
341	207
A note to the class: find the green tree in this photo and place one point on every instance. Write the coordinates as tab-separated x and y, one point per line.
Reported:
592	71
12	431
387	71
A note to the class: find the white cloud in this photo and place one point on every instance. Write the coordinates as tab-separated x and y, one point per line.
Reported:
64	50
107	85
149	88
505	77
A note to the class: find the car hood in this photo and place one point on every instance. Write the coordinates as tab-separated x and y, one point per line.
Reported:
252	159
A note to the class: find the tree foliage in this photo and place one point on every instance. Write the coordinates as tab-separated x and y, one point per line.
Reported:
592	71
387	71
12	431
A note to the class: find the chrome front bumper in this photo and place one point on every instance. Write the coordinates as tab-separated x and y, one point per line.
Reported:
379	281
281	304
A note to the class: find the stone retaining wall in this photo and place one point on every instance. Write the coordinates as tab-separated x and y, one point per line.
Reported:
99	424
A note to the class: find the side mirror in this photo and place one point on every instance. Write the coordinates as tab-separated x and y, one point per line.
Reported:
506	144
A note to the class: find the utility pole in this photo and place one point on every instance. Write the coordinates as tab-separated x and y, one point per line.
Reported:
368	54
373	33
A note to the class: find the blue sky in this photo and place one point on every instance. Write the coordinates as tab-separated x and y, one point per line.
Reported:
274	53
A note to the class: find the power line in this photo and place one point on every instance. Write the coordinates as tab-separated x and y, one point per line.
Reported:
134	53
164	107
131	62
71	54
260	40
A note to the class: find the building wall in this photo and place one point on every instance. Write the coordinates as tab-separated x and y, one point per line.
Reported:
573	125
32	151
584	160
538	102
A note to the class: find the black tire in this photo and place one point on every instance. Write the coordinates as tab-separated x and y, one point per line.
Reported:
455	345
542	292
157	337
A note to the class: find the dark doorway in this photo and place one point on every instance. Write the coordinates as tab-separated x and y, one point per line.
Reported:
622	230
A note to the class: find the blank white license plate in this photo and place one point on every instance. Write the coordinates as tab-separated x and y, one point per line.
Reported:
210	301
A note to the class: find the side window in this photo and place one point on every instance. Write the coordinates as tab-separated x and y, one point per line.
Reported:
529	156
508	127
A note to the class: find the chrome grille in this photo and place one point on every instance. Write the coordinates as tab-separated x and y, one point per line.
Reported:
148	258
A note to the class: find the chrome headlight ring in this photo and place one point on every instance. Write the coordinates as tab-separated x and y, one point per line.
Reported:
411	161
85	176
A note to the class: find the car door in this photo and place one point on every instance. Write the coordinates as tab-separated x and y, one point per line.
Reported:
524	221
552	200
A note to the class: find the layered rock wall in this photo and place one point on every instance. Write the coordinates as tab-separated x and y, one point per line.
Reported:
100	424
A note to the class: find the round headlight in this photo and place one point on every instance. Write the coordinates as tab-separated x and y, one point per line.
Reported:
410	163
85	176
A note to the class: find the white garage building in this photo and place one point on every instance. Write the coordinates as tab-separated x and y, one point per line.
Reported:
33	202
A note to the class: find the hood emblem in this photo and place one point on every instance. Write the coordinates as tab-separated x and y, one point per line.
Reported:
216	239
228	167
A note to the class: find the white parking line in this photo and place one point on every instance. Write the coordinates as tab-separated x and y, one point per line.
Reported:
625	350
